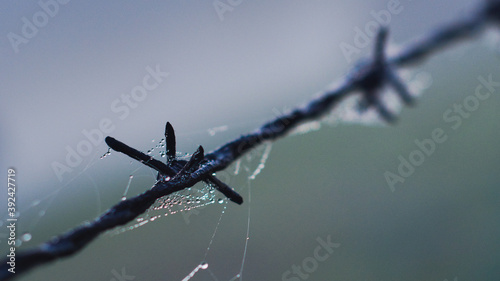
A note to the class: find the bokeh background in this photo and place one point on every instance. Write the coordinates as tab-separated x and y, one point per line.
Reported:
232	71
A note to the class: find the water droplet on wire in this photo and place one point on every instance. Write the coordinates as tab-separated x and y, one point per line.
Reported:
204	265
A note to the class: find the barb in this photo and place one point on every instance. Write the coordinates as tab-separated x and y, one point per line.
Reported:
369	78
170	142
174	167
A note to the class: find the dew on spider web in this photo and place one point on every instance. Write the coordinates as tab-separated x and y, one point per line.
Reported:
262	161
106	154
254	161
348	111
184	200
418	82
306	128
213	131
246	169
203	266
124	196
237	167
35	210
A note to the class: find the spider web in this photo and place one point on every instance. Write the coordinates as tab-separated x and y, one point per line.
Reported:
34	212
190	201
184	200
187	202
246	169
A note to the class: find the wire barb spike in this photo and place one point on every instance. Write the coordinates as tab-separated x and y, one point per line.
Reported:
170	142
372	76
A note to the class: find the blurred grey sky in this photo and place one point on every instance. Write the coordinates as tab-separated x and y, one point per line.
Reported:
238	69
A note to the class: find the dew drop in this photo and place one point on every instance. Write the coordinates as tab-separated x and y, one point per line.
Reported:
41	213
124	198
26	237
35	203
131	177
204	265
220	201
106	154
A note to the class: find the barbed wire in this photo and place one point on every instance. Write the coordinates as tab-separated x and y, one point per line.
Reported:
369	77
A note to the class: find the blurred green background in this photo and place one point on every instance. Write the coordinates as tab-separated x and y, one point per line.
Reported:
238	68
